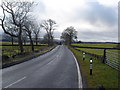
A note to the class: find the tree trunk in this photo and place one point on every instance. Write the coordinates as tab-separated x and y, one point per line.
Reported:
36	41
24	42
70	40
51	40
31	43
48	40
12	40
20	44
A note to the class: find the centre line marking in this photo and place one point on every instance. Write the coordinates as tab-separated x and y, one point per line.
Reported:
15	82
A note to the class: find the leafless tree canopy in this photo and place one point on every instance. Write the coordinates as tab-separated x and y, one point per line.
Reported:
17	21
14	15
49	25
29	27
36	31
69	34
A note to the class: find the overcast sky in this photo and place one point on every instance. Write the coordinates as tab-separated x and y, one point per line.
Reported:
95	20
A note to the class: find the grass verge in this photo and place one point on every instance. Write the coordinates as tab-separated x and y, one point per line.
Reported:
25	57
102	74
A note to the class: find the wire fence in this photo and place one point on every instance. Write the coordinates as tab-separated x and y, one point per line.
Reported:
113	59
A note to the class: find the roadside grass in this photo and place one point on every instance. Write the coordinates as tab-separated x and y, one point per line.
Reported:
113	55
10	50
28	56
102	73
14	51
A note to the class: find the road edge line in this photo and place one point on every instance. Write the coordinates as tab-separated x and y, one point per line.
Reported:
79	74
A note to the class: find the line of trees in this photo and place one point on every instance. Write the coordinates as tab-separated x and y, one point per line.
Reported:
18	22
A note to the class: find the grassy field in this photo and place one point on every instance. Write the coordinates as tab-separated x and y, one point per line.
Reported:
14	50
102	73
11	50
7	43
15	43
25	57
104	45
96	51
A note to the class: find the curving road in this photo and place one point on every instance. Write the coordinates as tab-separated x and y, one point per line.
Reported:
55	69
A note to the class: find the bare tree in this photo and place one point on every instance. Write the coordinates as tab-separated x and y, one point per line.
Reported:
28	27
49	25
14	14
68	35
36	31
12	31
45	38
24	37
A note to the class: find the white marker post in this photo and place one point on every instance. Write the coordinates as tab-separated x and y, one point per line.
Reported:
83	56
90	66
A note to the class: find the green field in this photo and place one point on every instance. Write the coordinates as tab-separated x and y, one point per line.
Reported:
8	43
102	73
11	50
15	43
26	56
104	45
96	51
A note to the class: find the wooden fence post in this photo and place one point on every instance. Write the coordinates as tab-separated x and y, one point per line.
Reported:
104	56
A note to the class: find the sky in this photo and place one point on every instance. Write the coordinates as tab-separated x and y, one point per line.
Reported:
94	20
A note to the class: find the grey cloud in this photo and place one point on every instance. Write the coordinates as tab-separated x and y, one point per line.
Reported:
40	7
97	14
100	16
57	34
88	35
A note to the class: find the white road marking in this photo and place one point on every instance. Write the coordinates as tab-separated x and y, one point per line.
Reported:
79	74
15	82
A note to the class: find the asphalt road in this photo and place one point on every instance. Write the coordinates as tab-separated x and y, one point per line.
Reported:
55	69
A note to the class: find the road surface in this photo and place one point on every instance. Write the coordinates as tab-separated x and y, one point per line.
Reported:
55	69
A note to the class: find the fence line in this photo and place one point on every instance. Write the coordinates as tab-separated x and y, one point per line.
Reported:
110	58
98	56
